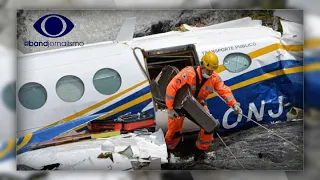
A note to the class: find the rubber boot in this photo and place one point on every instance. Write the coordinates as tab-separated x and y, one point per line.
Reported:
201	156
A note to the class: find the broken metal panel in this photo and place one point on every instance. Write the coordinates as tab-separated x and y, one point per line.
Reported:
192	109
182	94
159	85
199	114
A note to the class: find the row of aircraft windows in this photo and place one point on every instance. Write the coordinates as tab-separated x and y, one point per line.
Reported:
69	88
106	81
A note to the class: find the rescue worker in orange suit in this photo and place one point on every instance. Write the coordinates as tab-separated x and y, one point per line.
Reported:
210	81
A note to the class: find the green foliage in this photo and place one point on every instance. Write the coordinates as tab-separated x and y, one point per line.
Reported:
266	16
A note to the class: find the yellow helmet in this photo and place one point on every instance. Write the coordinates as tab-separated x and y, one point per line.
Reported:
210	61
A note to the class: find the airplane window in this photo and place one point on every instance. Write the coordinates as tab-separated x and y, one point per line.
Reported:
70	88
32	95
107	81
236	62
9	95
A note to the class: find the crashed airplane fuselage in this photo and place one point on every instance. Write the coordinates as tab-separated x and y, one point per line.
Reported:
69	87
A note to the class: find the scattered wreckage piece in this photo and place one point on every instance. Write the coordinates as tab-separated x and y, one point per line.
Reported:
125	123
125	152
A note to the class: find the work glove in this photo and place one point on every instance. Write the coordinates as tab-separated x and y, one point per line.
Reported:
172	113
237	108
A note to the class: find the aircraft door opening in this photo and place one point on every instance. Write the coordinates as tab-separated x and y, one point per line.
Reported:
156	60
180	57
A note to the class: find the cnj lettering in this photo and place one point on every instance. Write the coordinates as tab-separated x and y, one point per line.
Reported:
252	111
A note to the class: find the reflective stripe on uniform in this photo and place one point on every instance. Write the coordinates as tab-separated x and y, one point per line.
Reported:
203	142
229	98
208	88
169	97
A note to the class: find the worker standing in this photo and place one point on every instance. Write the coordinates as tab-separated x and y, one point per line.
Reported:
207	81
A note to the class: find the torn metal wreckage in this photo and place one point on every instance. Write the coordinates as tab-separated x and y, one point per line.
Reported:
126	143
271	74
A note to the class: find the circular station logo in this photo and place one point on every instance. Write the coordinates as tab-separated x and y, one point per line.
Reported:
53	25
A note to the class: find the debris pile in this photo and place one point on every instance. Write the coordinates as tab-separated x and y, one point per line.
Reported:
132	151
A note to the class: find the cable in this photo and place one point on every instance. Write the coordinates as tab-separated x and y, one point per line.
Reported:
231	152
272	132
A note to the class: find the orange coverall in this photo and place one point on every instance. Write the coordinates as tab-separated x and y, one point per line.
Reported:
188	76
